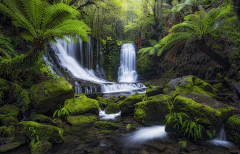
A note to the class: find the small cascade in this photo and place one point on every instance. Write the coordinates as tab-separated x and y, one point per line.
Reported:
77	88
104	116
127	70
221	139
88	90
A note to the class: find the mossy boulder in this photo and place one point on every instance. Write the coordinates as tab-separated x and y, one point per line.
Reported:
11	146
154	91
9	110
102	102
50	94
57	121
210	118
94	95
41	147
112	108
232	130
45	132
77	106
105	125
188	84
151	112
162	97
129	128
81	119
7	131
127	106
106	132
34	116
7	121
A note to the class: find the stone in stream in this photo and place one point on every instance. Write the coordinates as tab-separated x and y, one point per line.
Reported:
41	147
112	108
81	119
51	94
154	91
127	106
78	106
102	102
232	130
57	121
106	125
7	121
11	146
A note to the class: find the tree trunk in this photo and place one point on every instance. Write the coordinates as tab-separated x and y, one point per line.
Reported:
212	54
139	40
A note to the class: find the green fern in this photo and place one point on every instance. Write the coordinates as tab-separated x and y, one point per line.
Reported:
63	112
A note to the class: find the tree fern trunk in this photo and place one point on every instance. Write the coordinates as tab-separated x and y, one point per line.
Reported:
212	54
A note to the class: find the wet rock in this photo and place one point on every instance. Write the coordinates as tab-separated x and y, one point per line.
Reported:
57	121
7	131
34	116
11	146
232	130
130	127
105	132
112	108
81	119
151	112
77	106
162	97
49	95
9	110
189	84
7	121
94	95
127	106
45	132
106	125
102	102
41	147
154	91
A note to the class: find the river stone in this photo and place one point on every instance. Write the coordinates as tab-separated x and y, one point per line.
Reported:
151	112
162	97
188	84
112	108
41	147
77	106
9	110
45	132
51	94
34	116
127	106
11	146
211	119
154	91
232	130
81	119
105	125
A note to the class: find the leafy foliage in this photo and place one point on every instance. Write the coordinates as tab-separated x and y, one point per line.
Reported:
63	112
35	137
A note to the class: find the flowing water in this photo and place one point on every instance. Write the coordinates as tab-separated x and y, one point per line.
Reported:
221	139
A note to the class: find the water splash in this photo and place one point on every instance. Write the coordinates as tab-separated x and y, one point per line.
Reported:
221	140
104	116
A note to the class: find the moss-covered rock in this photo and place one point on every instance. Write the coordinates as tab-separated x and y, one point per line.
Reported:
11	146
127	106
112	108
34	116
94	95
162	97
183	144
2	130
232	130
7	121
41	147
81	119
9	110
49	95
105	125
188	84
154	91
10	130
57	121
102	102
151	112
211	119
129	128
45	132
106	132
77	106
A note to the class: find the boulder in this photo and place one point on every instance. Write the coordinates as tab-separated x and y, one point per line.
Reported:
151	112
105	132
51	94
94	95
210	116
81	119
45	132
11	146
130	127
102	102
105	125
162	97
188	84
127	106
34	116
77	106
57	121
232	130
7	121
9	110
41	147
112	108
154	91
7	131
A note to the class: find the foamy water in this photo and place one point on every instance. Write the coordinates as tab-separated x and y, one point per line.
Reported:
104	116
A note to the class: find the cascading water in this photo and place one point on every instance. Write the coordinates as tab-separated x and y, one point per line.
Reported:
127	70
79	64
221	139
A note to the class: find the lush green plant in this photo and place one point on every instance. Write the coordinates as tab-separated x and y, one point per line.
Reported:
61	112
34	135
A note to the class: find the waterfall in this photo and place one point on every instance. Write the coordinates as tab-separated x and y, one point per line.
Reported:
221	139
78	63
127	70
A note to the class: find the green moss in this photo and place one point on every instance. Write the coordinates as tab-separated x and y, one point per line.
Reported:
106	132
162	97
57	121
46	71
9	110
105	125
145	66
79	96
78	106
40	117
127	106
45	132
41	147
183	144
154	91
10	130
7	121
2	130
151	112
112	108
232	130
102	102
130	127
81	119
